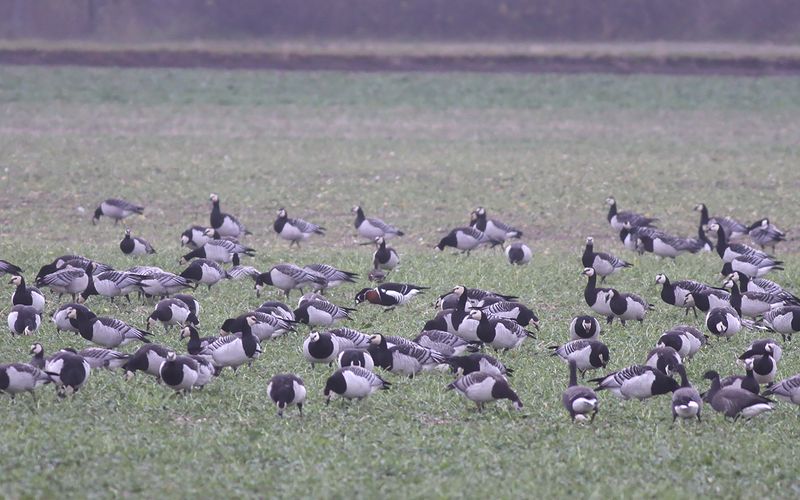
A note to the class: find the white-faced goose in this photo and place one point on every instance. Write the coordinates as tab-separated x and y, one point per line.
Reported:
112	284
268	327
784	320
204	272
679	293
584	327
405	358
68	370
7	267
287	277
159	284
179	373
116	209
333	277
685	339
686	400
234	350
371	227
512	310
285	390
220	251
478	362
295	230
618	220
355	357
148	359
627	306
597	298
171	312
21	377
587	354
732	228
726	321
636	381
445	343
133	245
518	254
67	280
23	320
499	333
604	264
106	332
385	258
321	313
734	402
196	343
580	401
225	224
353	382
764	234
747	381
665	245
665	359
99	357
466	239
764	365
194	237
493	228
787	389
26	295
324	347
729	251
752	266
766	286
755	304
765	346
359	340
482	388
62	320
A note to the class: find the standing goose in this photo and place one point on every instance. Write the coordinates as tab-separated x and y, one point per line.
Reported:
323	347
160	283
764	234
68	370
204	271
584	327
333	277
360	340
679	293
295	230
287	277
221	251
403	358
179	372
457	320
664	359
478	362
385	258
37	359
131	245
225	224
686	401
493	228
476	298
630	239
665	245
7	267
355	357
99	357
499	333
268	326
627	306
604	264
729	251
72	261
747	382
234	350
518	254
196	344
353	382
685	339
67	280
24	320
321	313
709	298
106	332
371	228
734	402
512	310
784	320
389	295
764	365
444	343
116	209
726	321
285	390
466	239
579	400
482	388
62	320
732	228
586	354
751	266
597	298
21	377
755	304
787	389
148	359
764	346
112	284
195	237
636	381
170	312
26	295
618	220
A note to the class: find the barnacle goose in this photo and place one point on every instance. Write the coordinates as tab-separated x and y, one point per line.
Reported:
679	293
196	343
755	304
518	254
764	234
295	230
99	357
116	209
685	339
747	381
604	264
355	357
476	298
766	286
512	310
221	251
627	306
405	358
195	237
787	389
204	271
732	228
321	313
389	295
112	284
324	347
765	346
333	277
726	321
686	400
285	390
729	251
67	280
493	228
478	362
579	400
597	298
179	372
68	370
445	343
584	327
72	261
371	227
287	277
234	350
133	245
499	333
466	239
752	266
784	320
62	320
26	295
24	320
384	258
267	327
636	381
360	340
734	402
353	382
7	267
619	219
106	332
764	365
162	283
225	224
170	312
665	359
21	377
587	354
482	388
147	359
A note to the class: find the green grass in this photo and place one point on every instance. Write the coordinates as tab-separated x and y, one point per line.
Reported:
421	151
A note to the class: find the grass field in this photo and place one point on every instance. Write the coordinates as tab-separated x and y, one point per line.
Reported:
419	150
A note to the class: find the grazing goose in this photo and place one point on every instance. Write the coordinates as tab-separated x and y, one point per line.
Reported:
159	284
499	333
579	400
285	390
665	245
732	228
456	320
196	343
444	343
68	370
195	237
620	219
321	313
179	372
764	366
355	357
221	251
604	264
734	402
597	298
72	261
192	303
116	209
630	239
131	245
99	357
784	320
466	239
384	258
389	295
333	277
62	320
106	332
324	347
765	346
664	359
278	309
67	280
24	320
376	275
493	228
627	306
170	312
371	228
403	358
287	277
686	401
295	230
225	224
685	339
755	304
708	298
766	286
234	350
359	340
205	272
482	388
787	389
353	382
586	354
584	327
26	295
518	254
636	381
751	266
478	362
764	234
37	352
726	321
679	293
512	310
268	326
238	272
7	267
747	382
476	298
112	284
729	251
148	359
21	377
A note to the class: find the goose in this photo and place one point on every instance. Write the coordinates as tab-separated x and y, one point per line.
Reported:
478	362
476	298
686	340
26	295
499	333
106	332
234	350
604	264
7	267
686	400
514	311
72	261
764	234
324	347
481	388
385	258
747	382
755	304
587	354
636	381
784	320
68	370
627	306
24	320
787	389
664	359
220	251
132	245
734	402
665	245
725	321
766	286
359	340
321	313
205	272
404	359
444	343
162	283
709	298
196	344
579	401
597	298
179	373
238	272
457	320
62	320
37	352
764	346
752	266
225	224
353	382
99	357
389	295
277	308
630	239
148	359
619	219
67	280
376	275
170	312
287	389
729	251
287	277
195	237
268	326
333	277
584	327
466	239
295	230
732	228
764	366
355	357
679	293
493	228
112	284
116	209
518	254
371	228
21	377
192	303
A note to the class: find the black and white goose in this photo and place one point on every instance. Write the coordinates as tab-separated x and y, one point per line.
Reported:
499	333
234	350
195	237
747	381
170	312
24	320
514	311
686	340
148	359
225	224
597	298
734	402
371	227
636	381
733	229
277	308
587	354
755	304
493	228
618	220
295	230
196	343
478	362
686	400
476	298
162	283
666	245
384	258
7	267
630	239
116	209
444	343
333	277
664	359
729	251
766	286
287	277
518	254
604	264
221	251
321	313
99	357
68	370
21	377
726	321
580	401
112	284
787	389
133	245
679	293
72	261
764	365
627	306
389	295
179	373
26	295
584	327
355	357
764	234
62	320
324	347
353	382
67	280
268	327
359	340
751	266
765	346
784	320
482	388
238	272
285	390
456	320
106	332
466	239
403	358
204	272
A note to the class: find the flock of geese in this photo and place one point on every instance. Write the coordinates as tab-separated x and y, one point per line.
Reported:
468	320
